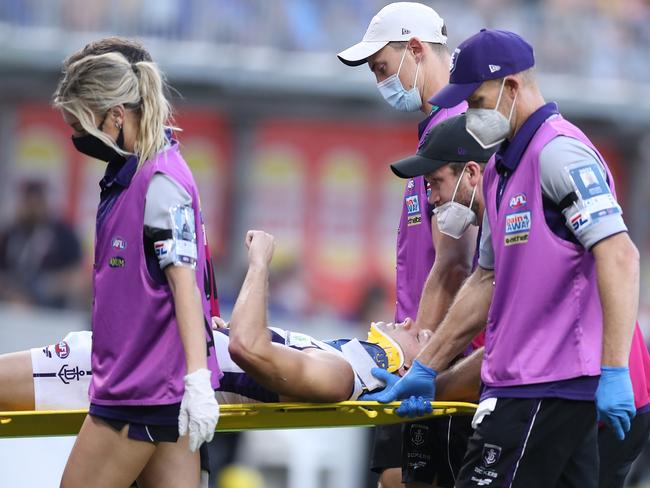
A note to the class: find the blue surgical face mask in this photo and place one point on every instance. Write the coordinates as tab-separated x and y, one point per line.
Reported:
396	95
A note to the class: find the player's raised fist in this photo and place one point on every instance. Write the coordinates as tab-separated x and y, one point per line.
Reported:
260	247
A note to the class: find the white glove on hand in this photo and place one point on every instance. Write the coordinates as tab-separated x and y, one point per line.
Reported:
199	412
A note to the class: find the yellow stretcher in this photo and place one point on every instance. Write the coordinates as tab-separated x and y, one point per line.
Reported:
240	417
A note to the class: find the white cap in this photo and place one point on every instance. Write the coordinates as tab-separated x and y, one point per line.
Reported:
399	21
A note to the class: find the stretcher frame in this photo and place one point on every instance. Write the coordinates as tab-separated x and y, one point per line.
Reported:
238	417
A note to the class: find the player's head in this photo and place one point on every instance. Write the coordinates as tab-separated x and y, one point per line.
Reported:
402	342
493	71
452	163
113	104
132	50
405	47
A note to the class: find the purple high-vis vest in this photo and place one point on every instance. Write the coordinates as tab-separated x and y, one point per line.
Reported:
415	252
545	322
137	353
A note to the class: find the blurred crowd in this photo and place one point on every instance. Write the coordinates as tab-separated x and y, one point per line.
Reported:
40	255
593	38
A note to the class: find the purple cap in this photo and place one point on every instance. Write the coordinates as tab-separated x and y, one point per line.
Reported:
485	56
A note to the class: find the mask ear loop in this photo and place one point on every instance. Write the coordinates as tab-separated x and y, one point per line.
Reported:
512	108
458	183
500	93
401	61
471	201
417	70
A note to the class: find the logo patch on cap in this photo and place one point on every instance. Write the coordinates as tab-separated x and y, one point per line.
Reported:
494	68
405	31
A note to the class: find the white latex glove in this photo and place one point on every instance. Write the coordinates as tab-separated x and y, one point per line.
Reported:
199	409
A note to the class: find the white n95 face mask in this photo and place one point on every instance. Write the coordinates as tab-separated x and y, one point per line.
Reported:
488	126
396	95
455	218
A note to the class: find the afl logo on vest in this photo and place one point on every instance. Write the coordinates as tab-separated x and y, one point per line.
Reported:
62	349
118	243
518	201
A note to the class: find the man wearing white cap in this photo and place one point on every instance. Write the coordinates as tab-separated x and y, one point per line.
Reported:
405	48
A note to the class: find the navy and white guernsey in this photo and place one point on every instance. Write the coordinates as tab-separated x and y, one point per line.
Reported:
238	387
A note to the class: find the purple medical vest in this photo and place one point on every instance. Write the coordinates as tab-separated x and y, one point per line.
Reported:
137	353
545	323
415	252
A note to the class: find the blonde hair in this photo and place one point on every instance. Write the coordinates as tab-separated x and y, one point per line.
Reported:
95	84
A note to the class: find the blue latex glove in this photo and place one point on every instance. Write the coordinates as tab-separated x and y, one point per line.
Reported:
383	375
419	381
615	399
414	407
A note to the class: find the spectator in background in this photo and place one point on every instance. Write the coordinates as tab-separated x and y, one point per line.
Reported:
40	255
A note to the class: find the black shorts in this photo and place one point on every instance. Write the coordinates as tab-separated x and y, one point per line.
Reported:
533	443
155	423
144	425
616	457
386	448
433	450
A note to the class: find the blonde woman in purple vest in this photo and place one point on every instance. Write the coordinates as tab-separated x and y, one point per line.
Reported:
153	359
557	286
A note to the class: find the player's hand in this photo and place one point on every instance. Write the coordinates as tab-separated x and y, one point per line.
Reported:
414	407
199	409
615	399
381	374
260	247
420	381
219	323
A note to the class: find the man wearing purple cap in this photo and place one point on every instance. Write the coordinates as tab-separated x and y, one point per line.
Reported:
557	284
405	48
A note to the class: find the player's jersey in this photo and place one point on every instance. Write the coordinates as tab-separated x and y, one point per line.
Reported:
238	387
62	371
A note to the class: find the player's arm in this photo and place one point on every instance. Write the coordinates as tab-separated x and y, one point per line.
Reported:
16	381
617	269
462	381
308	375
189	315
466	317
453	264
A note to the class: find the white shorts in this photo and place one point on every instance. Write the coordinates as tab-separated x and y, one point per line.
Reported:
62	373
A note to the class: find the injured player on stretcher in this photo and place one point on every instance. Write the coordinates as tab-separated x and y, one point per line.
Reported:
260	363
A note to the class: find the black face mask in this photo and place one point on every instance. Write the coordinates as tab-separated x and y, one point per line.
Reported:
96	148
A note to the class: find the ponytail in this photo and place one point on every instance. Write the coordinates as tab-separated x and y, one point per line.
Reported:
155	111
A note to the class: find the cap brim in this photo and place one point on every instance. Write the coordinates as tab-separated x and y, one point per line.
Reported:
359	53
415	165
453	94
